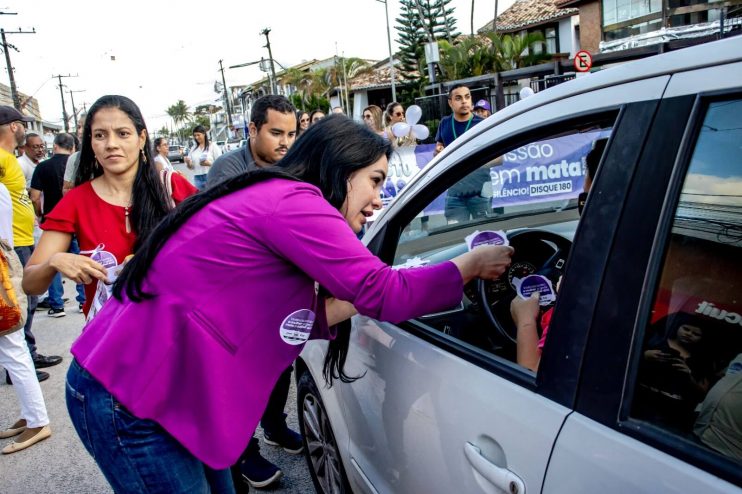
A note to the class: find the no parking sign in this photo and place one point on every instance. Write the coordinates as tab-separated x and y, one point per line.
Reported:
583	61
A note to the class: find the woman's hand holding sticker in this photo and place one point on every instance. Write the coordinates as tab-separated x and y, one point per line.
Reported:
535	283
80	269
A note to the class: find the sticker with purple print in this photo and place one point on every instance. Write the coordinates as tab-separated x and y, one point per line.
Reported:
535	283
297	327
487	237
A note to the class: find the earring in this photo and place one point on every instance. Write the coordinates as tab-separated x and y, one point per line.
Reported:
96	164
142	156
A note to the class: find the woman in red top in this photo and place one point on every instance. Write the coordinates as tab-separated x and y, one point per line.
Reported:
118	198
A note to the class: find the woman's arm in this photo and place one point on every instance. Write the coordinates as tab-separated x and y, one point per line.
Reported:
51	257
338	311
524	313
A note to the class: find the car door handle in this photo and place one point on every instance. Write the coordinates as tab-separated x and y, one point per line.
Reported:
498	476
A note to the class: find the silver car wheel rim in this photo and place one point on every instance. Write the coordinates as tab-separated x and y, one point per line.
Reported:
321	446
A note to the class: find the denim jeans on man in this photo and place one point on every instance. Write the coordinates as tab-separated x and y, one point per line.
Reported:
24	253
135	455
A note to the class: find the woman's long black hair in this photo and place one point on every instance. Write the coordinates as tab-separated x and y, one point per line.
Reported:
326	157
149	201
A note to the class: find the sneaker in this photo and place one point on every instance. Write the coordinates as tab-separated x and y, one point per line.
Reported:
289	440
80	306
259	472
43	305
56	312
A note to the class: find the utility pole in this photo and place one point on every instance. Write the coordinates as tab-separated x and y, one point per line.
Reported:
6	49
391	57
265	32
74	110
61	94
226	97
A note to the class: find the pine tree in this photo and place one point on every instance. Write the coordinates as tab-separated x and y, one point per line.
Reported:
410	39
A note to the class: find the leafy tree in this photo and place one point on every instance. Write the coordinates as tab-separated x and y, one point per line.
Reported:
517	50
410	39
164	132
180	113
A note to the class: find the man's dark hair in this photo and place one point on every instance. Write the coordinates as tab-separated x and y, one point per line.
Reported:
30	135
455	87
259	113
64	141
592	160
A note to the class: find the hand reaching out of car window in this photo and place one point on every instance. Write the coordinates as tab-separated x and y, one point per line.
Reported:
488	262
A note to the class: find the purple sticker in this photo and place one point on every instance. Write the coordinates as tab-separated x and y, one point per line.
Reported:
105	258
487	238
297	327
535	283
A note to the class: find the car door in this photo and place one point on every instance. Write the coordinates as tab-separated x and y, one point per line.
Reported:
654	414
442	405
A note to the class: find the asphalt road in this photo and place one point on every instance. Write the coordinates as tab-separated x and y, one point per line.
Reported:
60	464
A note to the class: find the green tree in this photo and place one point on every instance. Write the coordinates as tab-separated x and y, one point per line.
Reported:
164	132
516	50
180	113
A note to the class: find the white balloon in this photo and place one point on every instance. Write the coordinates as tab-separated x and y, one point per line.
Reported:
413	114
400	129
526	92
420	132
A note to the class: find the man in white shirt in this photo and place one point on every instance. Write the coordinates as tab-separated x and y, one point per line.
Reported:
34	152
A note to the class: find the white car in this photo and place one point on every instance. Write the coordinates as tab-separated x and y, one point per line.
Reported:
639	383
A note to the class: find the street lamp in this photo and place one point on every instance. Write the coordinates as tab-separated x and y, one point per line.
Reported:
391	57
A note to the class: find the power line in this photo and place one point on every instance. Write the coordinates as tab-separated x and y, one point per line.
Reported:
6	48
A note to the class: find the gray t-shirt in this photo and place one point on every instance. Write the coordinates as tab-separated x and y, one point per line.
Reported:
231	164
70	170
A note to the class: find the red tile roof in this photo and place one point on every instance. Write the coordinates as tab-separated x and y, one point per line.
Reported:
526	13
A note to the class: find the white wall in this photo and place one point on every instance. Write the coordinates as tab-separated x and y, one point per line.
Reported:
360	101
568	39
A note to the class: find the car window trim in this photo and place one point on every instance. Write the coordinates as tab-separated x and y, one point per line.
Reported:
678	446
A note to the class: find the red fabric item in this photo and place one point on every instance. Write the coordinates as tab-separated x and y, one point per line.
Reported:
182	188
545	323
95	221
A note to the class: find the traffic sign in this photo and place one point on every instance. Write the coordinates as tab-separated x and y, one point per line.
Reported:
583	61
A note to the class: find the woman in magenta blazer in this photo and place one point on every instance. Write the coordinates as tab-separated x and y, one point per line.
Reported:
171	377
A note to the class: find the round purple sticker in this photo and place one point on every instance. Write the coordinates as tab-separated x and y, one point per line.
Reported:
297	327
487	238
105	258
537	283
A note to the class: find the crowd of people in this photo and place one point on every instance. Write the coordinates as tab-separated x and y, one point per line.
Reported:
279	215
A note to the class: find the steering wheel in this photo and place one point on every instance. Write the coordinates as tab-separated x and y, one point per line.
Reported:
497	308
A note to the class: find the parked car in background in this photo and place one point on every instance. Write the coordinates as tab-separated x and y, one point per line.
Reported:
233	144
175	153
639	381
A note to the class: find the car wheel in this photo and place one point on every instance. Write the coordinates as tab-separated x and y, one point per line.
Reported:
320	449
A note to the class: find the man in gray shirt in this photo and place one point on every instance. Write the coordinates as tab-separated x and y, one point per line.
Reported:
272	132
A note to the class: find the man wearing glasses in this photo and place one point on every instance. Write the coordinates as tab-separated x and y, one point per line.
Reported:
33	152
12	135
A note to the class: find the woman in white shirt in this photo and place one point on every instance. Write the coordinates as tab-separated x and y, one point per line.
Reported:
161	151
201	156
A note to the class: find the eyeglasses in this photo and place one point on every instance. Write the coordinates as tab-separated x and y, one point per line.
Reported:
398	114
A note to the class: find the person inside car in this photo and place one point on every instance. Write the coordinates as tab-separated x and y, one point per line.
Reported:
525	312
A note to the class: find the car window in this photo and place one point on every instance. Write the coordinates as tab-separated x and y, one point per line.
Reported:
689	378
529	195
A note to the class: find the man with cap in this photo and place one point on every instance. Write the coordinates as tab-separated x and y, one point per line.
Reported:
483	108
12	135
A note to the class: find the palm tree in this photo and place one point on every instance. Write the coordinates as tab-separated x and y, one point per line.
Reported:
517	50
299	79
179	112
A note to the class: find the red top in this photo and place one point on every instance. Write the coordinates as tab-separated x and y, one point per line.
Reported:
95	222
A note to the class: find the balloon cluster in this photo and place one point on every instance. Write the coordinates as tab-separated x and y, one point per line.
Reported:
411	128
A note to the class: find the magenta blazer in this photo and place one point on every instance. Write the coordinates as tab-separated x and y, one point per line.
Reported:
201	357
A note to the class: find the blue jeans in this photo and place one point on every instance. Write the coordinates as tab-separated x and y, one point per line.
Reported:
135	455
24	253
200	181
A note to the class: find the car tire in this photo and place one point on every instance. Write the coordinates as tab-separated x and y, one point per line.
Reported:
320	448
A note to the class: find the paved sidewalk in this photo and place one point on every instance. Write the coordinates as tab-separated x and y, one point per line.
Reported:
60	464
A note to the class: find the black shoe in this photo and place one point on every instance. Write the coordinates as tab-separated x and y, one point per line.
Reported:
57	312
43	305
289	440
259	472
40	375
41	361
